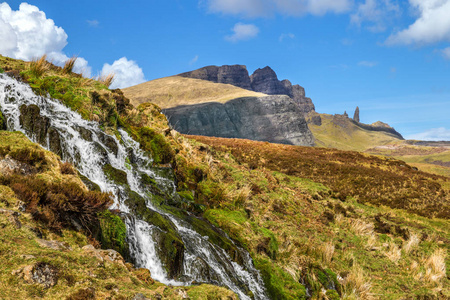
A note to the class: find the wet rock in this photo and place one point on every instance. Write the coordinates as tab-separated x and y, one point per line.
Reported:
109	142
41	273
85	133
55	245
54	141
13	217
33	123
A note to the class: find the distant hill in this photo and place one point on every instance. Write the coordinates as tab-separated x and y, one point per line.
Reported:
173	91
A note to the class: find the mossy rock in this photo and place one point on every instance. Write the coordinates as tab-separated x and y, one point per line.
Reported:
156	143
115	175
113	233
279	285
92	186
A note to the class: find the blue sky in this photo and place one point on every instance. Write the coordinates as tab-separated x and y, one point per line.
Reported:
391	58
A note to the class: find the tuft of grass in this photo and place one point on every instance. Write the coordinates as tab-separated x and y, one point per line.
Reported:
328	252
394	253
411	243
435	266
106	79
69	64
39	66
356	285
359	227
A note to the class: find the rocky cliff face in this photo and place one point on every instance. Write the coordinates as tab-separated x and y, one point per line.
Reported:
263	80
236	75
274	118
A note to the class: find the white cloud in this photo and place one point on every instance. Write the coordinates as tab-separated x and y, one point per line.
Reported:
264	8
435	134
375	13
242	32
93	23
369	64
126	73
432	25
446	53
194	60
29	33
286	36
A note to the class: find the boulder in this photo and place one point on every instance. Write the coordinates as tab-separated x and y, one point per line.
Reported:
41	273
55	245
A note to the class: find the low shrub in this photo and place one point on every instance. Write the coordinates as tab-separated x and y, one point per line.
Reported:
58	204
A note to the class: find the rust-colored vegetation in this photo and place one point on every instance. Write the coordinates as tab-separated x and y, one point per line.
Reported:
369	179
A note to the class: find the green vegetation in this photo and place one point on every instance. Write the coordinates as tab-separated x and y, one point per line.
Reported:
113	233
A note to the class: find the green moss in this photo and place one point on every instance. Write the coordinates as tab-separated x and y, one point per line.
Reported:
332	295
156	143
272	245
1	70
2	121
278	283
115	175
113	233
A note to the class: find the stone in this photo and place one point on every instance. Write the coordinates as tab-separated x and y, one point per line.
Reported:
41	273
10	166
266	81
109	255
55	245
27	256
356	115
33	123
139	296
275	119
182	293
54	141
13	217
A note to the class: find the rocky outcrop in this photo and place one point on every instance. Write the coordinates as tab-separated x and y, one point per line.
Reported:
41	273
263	80
380	126
356	115
236	75
34	124
274	119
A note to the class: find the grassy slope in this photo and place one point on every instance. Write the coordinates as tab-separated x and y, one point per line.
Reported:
77	270
173	91
426	158
298	229
346	135
294	228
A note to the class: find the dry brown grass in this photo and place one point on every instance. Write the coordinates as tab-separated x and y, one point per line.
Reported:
69	64
173	91
327	252
360	227
106	79
39	66
356	285
435	266
369	179
394	253
411	243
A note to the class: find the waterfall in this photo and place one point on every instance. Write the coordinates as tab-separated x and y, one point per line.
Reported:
84	144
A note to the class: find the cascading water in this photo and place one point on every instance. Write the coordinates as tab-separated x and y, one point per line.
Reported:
85	145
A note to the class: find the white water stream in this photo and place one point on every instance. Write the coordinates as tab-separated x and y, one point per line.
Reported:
83	144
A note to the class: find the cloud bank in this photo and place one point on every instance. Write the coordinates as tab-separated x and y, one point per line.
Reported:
242	32
28	34
435	134
432	25
265	8
375	13
126	73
